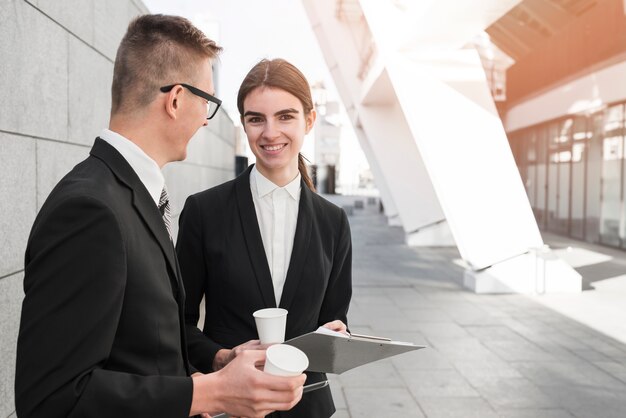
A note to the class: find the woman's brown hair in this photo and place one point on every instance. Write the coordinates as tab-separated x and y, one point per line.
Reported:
280	74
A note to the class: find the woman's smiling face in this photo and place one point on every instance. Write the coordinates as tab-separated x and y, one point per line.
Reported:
275	125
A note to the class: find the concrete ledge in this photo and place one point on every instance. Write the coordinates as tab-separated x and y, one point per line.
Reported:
394	220
530	273
435	235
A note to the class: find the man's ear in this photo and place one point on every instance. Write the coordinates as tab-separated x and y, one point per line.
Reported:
172	101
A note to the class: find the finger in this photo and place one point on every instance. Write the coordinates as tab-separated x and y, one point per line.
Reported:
278	401
253	357
333	324
336	325
254	345
282	383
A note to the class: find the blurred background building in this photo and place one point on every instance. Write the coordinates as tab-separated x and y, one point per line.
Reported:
564	113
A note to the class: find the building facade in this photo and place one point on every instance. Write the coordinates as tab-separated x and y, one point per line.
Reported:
565	112
56	69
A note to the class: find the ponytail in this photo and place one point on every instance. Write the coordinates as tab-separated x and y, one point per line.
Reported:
304	172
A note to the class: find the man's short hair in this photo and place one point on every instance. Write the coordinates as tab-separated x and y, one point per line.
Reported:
157	50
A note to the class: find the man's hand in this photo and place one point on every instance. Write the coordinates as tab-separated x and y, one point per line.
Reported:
337	325
225	356
240	389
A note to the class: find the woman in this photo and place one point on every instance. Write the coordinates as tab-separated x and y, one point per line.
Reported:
266	239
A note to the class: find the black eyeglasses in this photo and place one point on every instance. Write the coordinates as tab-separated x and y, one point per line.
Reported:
213	103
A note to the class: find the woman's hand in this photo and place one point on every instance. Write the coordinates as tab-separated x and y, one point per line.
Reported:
337	325
225	356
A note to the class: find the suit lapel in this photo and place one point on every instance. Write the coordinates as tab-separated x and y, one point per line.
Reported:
252	236
142	201
300	250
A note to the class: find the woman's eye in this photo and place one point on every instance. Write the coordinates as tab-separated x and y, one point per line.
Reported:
254	120
286	117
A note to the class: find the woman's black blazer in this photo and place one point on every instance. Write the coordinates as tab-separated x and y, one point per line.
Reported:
222	258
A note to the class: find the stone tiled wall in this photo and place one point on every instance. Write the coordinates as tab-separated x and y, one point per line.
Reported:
56	64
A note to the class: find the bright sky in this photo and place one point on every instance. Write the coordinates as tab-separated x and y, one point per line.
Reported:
250	30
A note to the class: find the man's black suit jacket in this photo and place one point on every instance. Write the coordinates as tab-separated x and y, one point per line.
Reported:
221	254
101	331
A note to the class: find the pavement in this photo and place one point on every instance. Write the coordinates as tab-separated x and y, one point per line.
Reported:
507	355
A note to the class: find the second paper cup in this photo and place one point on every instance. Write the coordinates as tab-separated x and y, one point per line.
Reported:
285	360
271	324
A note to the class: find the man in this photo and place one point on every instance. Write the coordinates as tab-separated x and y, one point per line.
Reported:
102	331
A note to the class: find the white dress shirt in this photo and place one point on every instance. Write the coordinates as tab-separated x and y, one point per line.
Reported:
277	213
146	168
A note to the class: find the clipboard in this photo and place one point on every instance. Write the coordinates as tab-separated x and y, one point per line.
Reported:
305	389
333	352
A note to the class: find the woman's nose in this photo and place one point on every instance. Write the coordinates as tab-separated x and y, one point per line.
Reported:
270	130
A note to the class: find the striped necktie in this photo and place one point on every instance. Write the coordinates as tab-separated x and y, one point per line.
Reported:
164	208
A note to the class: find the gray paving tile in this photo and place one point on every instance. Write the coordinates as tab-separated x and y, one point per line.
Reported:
437	383
558	351
441	330
341	413
516	393
534	413
494	333
377	374
469	348
480	373
425	359
518	351
617	370
562	340
487	355
456	408
392	324
470	314
567	374
381	402
358	291
589	354
609	348
427	315
337	391
588	401
373	299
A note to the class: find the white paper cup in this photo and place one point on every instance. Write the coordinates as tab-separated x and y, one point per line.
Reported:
285	360
270	324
